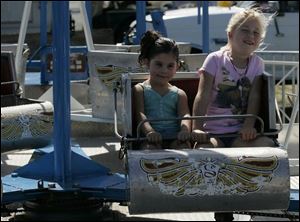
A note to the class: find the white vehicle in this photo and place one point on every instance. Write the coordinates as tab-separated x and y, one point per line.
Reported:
11	17
283	32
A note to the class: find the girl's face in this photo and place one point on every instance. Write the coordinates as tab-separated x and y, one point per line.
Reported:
162	68
246	38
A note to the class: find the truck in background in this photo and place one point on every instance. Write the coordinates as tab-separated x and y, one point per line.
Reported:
181	25
10	22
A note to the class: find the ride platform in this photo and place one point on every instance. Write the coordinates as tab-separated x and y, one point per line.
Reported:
105	150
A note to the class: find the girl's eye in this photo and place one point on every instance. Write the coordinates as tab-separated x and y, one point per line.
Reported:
248	32
245	30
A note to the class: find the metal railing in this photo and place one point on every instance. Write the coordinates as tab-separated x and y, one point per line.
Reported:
284	65
279	70
287	86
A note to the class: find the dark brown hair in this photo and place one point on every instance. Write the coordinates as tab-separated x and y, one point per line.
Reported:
153	44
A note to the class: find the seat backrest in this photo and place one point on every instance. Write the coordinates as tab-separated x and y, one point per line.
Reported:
190	85
8	73
10	87
267	108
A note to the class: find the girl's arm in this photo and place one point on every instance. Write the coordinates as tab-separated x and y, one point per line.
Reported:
184	111
202	98
248	132
146	128
200	106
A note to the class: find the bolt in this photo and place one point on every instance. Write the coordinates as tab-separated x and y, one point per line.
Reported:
76	185
40	184
51	185
14	175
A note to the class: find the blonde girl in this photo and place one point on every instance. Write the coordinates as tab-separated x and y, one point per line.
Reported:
230	83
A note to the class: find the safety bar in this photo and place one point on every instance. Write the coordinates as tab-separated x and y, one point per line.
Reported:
115	89
209	118
18	91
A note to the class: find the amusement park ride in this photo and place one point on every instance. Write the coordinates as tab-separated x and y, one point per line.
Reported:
216	180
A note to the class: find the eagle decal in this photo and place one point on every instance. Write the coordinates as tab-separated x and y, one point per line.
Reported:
109	74
191	177
25	126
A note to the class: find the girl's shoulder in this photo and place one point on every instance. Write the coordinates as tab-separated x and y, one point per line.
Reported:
255	66
174	89
139	87
144	84
179	91
256	60
219	53
217	56
213	61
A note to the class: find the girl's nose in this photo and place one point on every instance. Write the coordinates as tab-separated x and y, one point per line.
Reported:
164	69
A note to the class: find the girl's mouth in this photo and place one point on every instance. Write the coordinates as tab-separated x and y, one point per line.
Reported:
160	76
248	43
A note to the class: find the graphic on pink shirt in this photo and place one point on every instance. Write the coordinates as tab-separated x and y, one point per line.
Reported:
233	94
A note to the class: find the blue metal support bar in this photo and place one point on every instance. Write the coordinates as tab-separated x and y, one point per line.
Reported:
88	6
140	21
43	40
199	4
158	22
61	91
205	27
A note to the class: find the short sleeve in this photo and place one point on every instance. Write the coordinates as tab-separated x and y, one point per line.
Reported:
210	64
260	65
256	67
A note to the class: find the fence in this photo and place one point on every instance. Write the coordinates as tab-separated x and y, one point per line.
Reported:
284	65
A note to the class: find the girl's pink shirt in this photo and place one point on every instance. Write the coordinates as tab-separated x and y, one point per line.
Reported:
228	90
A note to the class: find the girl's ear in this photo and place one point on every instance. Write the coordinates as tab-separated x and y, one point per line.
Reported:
229	35
146	62
178	64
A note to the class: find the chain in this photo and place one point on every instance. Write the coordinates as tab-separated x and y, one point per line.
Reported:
123	149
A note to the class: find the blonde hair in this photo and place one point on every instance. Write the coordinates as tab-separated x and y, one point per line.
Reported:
238	19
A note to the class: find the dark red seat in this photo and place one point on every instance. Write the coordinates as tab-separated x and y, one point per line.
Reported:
9	85
267	109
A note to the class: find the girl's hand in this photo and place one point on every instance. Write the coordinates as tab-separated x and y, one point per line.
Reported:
199	136
248	133
154	137
183	136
